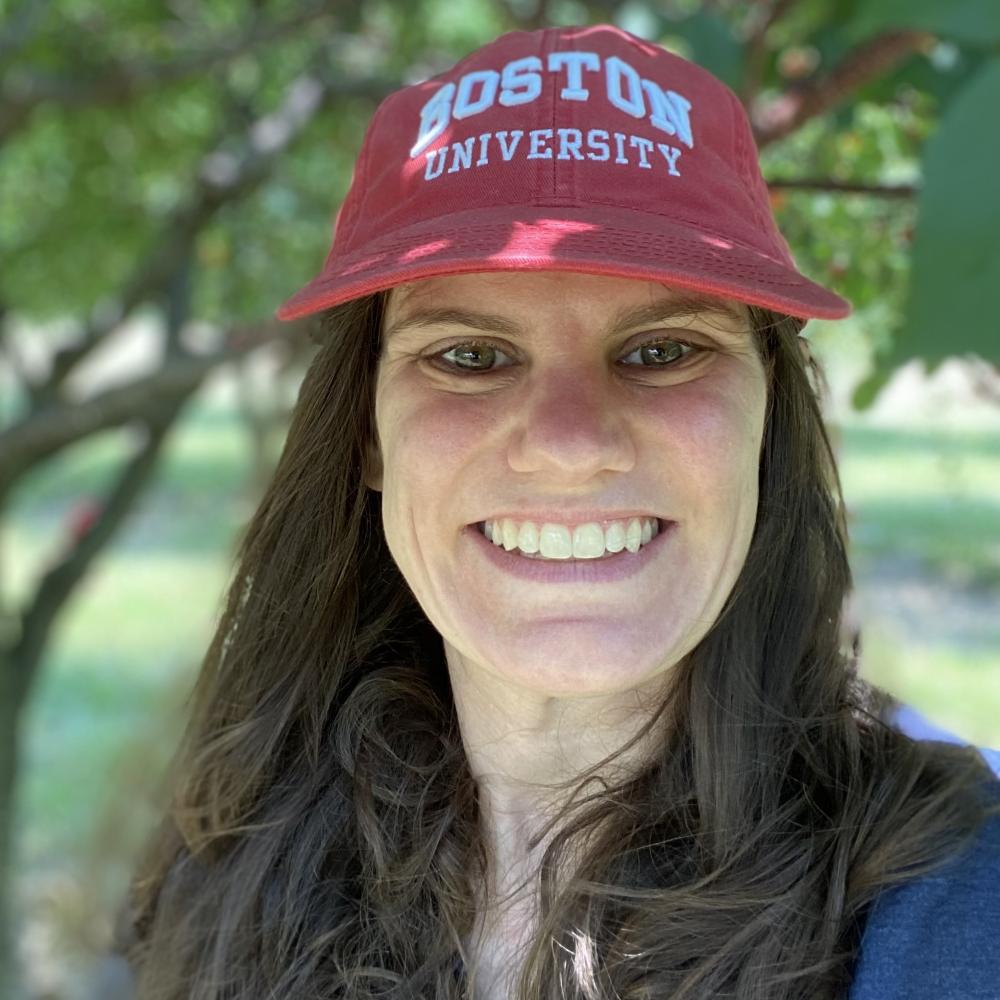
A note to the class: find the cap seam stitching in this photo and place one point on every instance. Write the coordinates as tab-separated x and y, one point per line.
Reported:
698	224
798	280
548	44
360	174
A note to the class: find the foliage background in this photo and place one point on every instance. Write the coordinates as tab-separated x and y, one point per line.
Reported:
169	172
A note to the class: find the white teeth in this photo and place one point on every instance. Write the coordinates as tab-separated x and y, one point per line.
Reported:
585	541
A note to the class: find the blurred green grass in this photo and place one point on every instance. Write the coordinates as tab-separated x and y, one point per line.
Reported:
932	496
128	646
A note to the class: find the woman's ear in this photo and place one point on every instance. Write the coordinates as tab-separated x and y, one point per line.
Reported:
805	349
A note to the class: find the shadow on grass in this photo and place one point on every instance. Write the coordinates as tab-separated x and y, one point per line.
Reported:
957	539
887	441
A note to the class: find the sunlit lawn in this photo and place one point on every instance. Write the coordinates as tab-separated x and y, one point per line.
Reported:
931	496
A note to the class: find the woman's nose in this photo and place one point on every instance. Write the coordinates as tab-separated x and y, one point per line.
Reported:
572	421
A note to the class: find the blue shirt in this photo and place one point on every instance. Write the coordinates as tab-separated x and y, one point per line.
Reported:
908	720
938	937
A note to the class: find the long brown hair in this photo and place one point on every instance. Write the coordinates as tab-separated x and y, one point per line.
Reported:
322	832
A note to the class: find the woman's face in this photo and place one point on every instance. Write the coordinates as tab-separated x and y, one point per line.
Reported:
558	411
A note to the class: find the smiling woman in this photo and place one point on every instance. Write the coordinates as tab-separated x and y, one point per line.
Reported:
590	394
532	680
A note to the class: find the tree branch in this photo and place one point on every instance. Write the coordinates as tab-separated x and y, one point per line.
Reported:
60	580
223	177
759	20
15	364
47	431
85	543
869	61
843	187
121	81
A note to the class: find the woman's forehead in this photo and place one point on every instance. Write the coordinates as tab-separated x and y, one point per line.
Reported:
511	287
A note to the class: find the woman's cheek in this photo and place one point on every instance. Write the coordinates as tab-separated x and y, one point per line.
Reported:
716	425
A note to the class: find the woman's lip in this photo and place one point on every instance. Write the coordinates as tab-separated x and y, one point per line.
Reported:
579	571
661	522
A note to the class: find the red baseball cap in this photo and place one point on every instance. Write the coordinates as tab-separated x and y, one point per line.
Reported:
573	149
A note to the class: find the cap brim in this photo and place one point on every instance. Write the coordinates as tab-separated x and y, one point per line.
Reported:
597	240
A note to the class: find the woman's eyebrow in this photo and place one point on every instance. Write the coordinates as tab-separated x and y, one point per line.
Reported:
625	319
454	317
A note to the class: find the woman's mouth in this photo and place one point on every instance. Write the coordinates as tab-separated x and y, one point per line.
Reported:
609	567
553	542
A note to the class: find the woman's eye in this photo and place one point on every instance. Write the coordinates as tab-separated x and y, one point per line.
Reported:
661	352
473	350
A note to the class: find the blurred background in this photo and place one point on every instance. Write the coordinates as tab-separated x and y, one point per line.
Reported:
169	173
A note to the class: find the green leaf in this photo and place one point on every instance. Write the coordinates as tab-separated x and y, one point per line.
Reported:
974	22
714	46
955	286
867	391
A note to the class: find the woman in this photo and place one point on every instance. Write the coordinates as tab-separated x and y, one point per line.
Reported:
531	680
